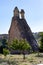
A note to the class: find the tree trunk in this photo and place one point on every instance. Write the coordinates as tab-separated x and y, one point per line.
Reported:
24	56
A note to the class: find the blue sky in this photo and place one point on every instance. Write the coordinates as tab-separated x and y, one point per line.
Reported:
33	13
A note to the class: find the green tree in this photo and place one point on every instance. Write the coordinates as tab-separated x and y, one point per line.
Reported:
0	43
21	45
4	43
15	44
25	47
41	40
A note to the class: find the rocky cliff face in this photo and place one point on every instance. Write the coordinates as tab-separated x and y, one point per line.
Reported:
14	32
19	29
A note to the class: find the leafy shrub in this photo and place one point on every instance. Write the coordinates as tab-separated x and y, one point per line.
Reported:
5	51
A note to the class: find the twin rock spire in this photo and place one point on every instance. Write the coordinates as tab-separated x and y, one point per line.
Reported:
17	13
19	29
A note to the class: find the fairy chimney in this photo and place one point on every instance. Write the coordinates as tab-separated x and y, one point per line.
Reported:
22	14
16	12
19	29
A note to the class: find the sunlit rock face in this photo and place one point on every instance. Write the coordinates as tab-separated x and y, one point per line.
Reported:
19	29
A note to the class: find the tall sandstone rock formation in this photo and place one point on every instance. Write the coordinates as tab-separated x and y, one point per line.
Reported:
19	29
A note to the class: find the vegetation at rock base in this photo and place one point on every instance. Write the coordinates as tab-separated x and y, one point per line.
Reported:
21	45
4	42
5	51
41	40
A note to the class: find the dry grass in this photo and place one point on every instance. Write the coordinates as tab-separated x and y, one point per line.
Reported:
30	59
